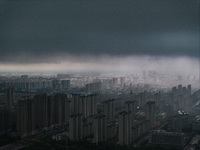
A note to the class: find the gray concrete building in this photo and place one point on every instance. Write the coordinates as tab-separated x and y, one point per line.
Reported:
150	113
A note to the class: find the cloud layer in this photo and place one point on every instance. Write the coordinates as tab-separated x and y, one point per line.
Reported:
47	31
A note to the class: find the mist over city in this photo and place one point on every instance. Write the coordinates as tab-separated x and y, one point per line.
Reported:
104	74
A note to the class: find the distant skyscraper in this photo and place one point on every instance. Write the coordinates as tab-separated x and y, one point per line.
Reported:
24	77
174	91
180	89
157	99
10	97
115	82
122	81
189	88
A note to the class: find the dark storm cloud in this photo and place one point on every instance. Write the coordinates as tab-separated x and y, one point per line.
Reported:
47	30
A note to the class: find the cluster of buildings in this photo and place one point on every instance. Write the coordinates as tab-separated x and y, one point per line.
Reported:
58	84
84	114
42	112
178	122
34	84
8	111
90	116
174	135
105	123
87	120
179	98
109	83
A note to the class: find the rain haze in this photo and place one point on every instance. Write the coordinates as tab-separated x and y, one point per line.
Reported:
114	35
100	74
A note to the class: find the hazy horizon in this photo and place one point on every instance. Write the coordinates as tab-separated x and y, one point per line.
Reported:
132	64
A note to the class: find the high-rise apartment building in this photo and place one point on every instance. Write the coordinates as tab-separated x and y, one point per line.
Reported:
115	82
76	127
99	126
85	105
130	107
10	97
122	81
42	112
7	120
93	87
125	137
189	88
150	113
109	109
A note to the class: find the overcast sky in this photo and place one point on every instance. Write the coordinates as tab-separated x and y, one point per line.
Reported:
50	31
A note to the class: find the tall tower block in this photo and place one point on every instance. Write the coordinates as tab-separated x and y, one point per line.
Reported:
10	97
150	113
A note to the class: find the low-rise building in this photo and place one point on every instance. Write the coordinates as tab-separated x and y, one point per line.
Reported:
169	139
